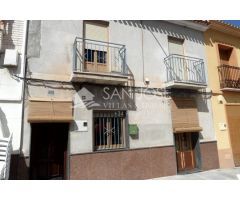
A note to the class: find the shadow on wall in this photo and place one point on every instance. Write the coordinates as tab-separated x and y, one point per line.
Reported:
165	27
4	124
200	99
202	103
7	42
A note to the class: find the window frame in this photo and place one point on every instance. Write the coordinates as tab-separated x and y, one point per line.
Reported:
124	133
169	38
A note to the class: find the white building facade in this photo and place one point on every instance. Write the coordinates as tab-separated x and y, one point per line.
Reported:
12	50
116	100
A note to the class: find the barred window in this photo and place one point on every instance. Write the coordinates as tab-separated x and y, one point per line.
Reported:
109	129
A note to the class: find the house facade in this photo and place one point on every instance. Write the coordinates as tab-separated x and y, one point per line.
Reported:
223	57
116	100
12	51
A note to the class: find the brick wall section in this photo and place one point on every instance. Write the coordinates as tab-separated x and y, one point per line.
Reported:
12	36
129	164
209	154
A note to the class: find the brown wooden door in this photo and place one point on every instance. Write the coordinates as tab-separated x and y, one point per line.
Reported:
185	152
233	118
48	151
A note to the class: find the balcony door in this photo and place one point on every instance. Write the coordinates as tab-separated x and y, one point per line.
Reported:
96	49
178	63
228	62
226	55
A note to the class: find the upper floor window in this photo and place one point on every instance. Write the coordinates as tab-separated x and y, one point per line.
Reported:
175	46
96	30
95	46
226	55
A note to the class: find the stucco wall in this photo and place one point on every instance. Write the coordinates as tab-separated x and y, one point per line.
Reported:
50	57
10	86
50	49
212	38
153	38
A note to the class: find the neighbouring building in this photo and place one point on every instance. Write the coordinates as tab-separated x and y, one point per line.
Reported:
223	57
116	100
12	51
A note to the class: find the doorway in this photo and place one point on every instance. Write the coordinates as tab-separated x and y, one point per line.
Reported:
48	157
187	152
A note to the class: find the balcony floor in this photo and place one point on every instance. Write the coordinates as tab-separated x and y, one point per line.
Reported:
230	89
185	85
99	78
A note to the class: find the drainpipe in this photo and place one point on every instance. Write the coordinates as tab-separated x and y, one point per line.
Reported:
1	32
24	67
143	62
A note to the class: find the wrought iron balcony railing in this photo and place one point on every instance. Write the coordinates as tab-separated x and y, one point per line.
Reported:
185	69
229	76
99	57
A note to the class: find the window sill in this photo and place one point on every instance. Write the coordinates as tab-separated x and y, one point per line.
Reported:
110	150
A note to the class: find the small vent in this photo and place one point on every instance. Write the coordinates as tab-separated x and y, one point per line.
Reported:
50	92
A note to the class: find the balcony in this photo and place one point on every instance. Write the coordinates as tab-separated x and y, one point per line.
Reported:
99	62
185	72
229	77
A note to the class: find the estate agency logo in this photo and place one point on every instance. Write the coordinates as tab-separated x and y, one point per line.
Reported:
113	97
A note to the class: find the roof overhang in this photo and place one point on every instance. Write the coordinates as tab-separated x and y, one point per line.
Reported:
224	27
190	24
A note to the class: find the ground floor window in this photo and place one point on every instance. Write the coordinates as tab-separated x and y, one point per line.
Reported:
109	129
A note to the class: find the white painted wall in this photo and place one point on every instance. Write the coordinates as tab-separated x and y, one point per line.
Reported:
52	55
10	86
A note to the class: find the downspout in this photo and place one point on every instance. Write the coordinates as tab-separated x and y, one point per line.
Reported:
143	61
24	65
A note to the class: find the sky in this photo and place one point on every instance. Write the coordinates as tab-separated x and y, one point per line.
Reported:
234	22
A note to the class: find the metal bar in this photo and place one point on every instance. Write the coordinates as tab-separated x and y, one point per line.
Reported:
185	68
100	131
182	56
99	41
118	130
114	125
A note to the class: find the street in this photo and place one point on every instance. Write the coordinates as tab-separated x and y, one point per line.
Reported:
218	174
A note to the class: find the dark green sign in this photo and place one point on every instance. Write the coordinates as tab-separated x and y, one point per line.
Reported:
133	129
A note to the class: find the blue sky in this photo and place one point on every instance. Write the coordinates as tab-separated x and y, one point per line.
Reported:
234	22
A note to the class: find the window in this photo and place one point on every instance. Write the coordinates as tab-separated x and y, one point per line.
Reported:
101	57
96	56
89	55
226	55
109	129
175	46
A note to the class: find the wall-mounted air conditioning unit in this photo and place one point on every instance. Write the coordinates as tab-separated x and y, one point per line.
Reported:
11	58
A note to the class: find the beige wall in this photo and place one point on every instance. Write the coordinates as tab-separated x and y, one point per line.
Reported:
212	39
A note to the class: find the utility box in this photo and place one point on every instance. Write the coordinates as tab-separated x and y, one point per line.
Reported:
133	129
222	126
11	58
82	125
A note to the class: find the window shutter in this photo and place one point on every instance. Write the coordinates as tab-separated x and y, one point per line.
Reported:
95	31
50	111
175	46
185	115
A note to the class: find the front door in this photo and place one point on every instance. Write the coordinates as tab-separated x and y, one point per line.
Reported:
48	150
185	152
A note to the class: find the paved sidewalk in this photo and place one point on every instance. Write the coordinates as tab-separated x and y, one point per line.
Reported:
218	174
